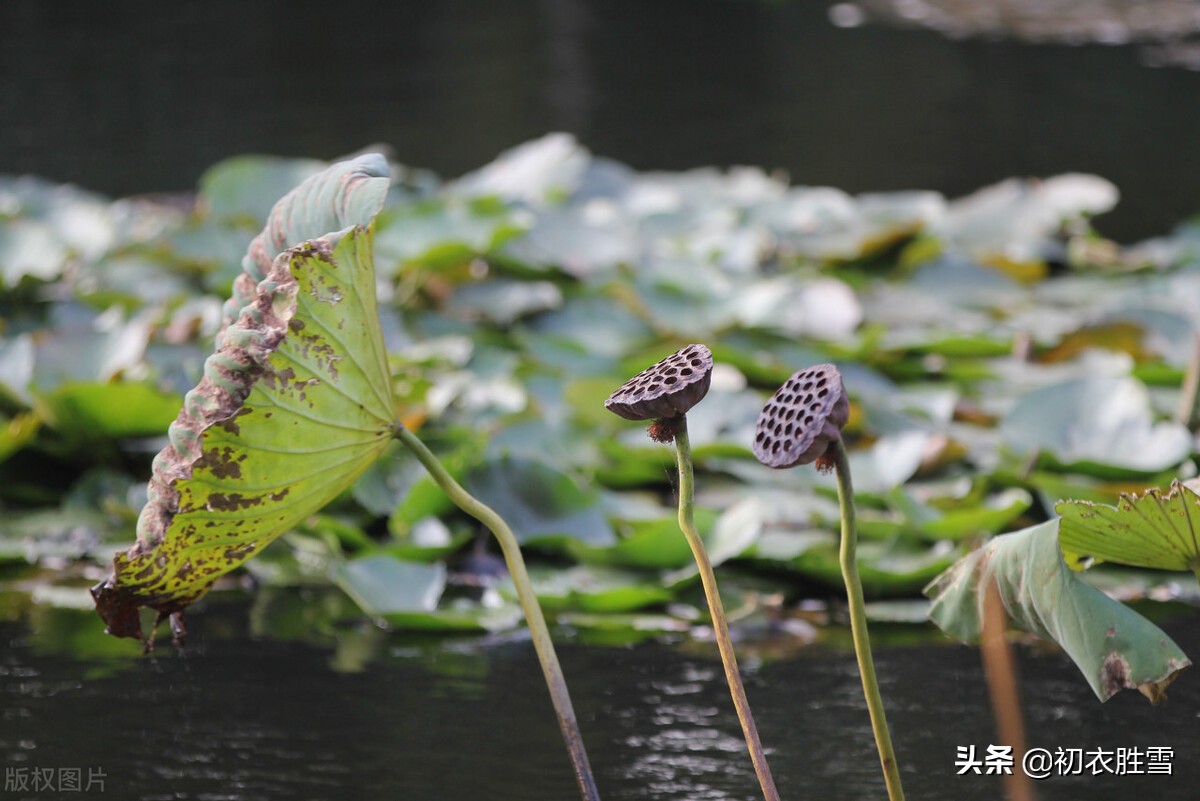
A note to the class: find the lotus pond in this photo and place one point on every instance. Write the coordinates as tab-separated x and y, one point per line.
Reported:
1000	356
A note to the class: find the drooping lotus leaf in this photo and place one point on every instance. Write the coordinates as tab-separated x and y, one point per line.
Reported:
1114	647
1155	530
347	193
294	405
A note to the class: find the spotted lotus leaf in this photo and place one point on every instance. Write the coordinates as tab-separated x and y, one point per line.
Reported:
294	405
347	193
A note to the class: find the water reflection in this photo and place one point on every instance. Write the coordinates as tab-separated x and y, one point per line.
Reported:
241	717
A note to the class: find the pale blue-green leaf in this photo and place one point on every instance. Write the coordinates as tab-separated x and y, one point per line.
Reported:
887	463
597	323
503	301
405	595
733	534
541	504
248	186
989	517
16	368
421	232
382	585
1095	425
536	172
1016	218
586	242
29	249
824	308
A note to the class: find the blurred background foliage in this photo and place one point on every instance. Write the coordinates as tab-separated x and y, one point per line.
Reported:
1000	355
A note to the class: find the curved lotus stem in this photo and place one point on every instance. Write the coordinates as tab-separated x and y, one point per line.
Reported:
800	424
664	393
542	643
717	611
858	625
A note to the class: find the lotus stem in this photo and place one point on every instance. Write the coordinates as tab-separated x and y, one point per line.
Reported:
858	623
717	612
542	643
1000	670
1185	412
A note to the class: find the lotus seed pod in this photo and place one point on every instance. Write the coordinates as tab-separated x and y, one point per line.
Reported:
803	418
668	389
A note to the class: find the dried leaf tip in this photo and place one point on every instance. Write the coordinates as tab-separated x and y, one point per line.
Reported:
668	389
802	419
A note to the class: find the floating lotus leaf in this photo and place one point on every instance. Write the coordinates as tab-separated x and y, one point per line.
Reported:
249	186
1155	529
1100	426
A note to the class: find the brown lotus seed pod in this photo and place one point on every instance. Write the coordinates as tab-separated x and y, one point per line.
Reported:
803	418
668	389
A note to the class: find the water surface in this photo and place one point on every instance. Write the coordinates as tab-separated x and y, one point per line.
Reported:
386	716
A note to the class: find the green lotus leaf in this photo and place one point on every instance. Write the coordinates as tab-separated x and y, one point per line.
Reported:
408	595
294	405
1053	487
651	544
543	506
347	193
621	629
1155	529
87	410
886	568
248	186
595	588
442	232
1112	645
383	585
988	515
16	432
1099	426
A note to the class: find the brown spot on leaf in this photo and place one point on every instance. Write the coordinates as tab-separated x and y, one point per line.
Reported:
238	553
1114	674
221	462
231	502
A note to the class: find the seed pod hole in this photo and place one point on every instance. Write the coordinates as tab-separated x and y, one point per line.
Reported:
800	423
668	389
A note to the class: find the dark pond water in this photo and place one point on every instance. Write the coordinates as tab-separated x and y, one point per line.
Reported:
142	96
384	716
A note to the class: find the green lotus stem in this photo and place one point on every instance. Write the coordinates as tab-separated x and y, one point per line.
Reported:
542	643
716	610
858	624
